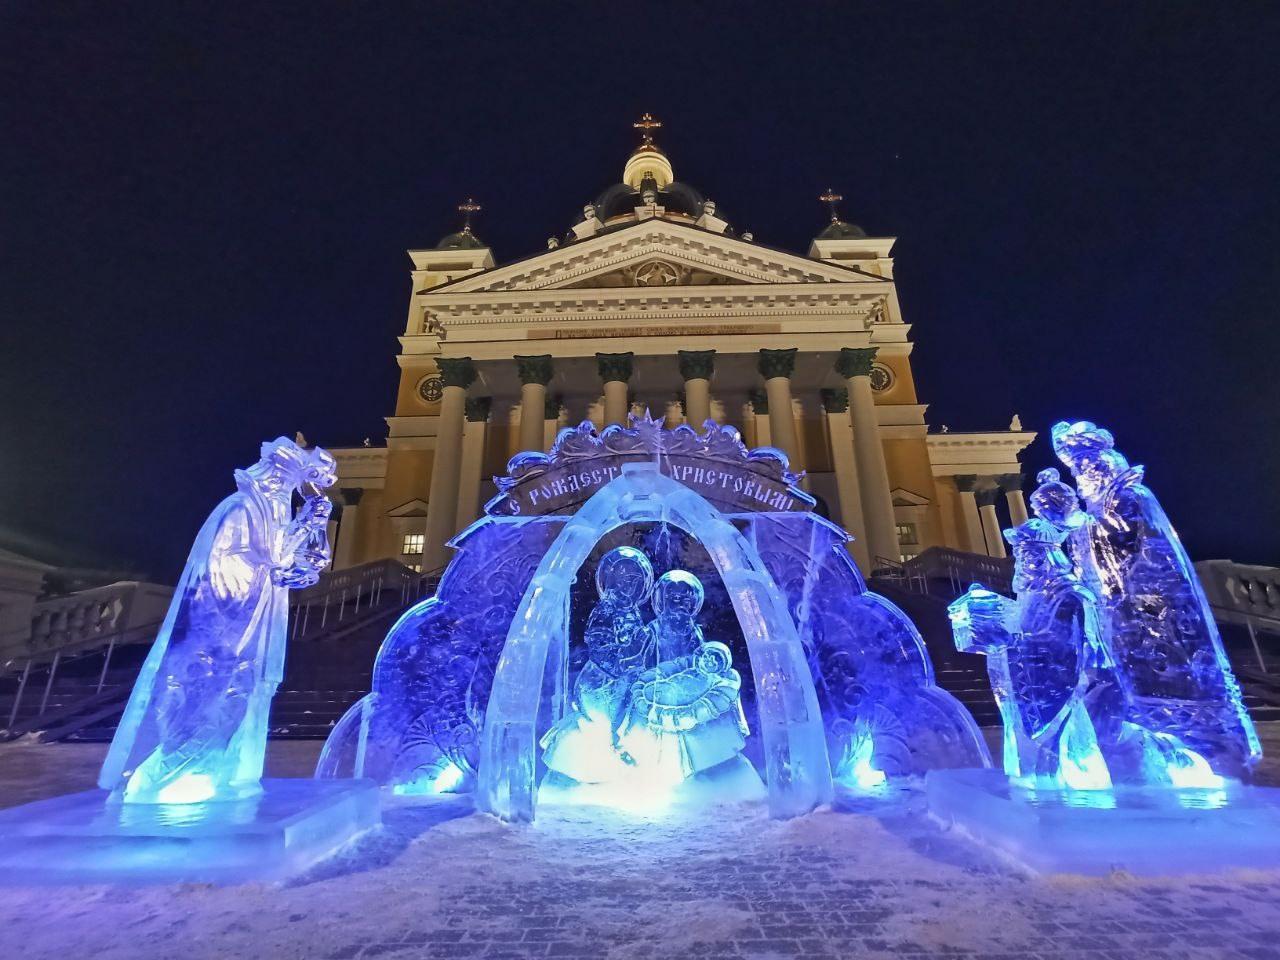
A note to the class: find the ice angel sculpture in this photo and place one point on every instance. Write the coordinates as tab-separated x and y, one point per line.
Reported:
1170	661
195	728
1045	659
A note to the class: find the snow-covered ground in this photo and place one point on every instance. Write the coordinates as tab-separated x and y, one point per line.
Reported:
869	878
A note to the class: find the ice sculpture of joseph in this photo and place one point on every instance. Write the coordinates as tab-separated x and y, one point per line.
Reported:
195	727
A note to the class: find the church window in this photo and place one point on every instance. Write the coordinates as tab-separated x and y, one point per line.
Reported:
414	543
907	533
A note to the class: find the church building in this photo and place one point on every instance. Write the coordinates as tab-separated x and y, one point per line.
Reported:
653	302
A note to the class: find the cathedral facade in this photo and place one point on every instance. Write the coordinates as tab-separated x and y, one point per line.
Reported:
653	302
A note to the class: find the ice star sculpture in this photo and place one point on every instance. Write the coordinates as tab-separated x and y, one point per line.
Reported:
1043	653
1171	665
195	727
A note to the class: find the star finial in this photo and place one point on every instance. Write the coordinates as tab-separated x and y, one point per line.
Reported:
646	126
467	209
831	198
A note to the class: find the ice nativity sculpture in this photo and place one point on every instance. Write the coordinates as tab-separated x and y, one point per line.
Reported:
650	608
182	794
1108	668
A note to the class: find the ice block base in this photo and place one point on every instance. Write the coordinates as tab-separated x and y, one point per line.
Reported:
85	838
1146	831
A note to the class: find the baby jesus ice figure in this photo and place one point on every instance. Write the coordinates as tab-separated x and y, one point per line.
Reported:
685	714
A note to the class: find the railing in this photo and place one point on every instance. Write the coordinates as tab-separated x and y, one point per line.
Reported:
885	569
88	620
1244	594
36	672
959	568
343	593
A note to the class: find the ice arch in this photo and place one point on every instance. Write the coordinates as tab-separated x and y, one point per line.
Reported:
797	768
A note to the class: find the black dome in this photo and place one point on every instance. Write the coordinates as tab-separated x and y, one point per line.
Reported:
462	240
839	230
675	197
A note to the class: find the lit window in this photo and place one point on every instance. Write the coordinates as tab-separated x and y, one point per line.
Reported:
907	533
413	543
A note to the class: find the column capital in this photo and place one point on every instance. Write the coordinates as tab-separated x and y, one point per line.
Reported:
551	407
966	482
759	401
777	363
351	496
457	371
1008	482
477	408
835	401
697	364
534	369
856	361
615	366
987	496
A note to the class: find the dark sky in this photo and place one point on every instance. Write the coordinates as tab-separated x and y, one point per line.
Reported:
204	211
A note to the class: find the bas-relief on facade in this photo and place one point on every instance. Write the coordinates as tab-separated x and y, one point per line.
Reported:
652	301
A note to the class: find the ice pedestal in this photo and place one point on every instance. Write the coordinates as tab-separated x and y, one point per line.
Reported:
1149	831
85	838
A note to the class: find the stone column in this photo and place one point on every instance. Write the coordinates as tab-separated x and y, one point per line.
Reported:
759	401
474	434
776	367
1011	487
975	542
535	373
836	404
615	370
873	473
696	366
344	550
551	420
986	498
458	373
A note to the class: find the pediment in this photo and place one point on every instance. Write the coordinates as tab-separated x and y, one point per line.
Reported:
655	253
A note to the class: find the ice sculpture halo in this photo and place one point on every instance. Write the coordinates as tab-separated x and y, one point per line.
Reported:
797	769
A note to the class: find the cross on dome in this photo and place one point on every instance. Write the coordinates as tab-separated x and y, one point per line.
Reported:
467	209
831	198
646	124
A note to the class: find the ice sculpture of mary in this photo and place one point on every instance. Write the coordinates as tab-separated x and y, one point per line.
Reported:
196	725
582	745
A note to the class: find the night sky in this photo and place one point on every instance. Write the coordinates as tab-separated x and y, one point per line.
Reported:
204	211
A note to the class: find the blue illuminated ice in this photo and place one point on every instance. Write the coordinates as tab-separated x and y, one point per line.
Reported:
797	769
195	728
546	655
1109	670
1170	662
1043	656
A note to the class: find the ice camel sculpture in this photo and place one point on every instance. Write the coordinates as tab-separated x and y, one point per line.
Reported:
477	688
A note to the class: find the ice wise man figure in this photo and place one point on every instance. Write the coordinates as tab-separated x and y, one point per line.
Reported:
195	728
1155	619
1044	655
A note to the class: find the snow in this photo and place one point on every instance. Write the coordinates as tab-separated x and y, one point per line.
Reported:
871	877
